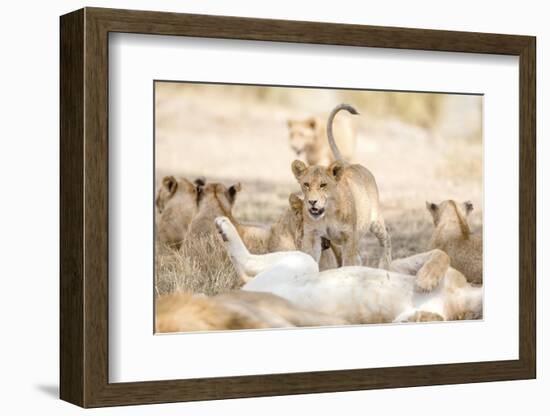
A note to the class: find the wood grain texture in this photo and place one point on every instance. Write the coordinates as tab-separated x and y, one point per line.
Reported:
528	208
84	206
96	207
71	219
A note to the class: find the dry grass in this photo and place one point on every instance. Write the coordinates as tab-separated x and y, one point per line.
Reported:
199	266
231	134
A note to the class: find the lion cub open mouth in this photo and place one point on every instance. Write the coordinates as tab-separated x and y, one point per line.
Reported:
316	213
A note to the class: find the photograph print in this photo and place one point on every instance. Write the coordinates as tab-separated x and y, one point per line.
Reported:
287	206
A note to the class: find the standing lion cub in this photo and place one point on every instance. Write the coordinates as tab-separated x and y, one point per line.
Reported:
341	204
452	234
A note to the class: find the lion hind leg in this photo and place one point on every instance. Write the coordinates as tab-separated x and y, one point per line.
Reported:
350	253
429	268
432	271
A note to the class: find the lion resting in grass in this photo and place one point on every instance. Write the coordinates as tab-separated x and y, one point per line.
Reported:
214	200
182	312
452	234
308	138
177	204
420	287
341	203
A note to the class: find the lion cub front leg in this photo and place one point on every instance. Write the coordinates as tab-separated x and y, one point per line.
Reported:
350	251
312	245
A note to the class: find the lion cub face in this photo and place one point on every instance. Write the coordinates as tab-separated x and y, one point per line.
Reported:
302	134
318	185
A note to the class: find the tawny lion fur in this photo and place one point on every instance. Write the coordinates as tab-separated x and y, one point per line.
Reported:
308	139
214	200
182	312
177	204
452	234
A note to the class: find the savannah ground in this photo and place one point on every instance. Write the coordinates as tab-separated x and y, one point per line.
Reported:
420	147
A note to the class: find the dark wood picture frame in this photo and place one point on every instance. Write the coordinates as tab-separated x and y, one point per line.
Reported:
84	207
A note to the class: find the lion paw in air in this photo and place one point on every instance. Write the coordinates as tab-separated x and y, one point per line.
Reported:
222	225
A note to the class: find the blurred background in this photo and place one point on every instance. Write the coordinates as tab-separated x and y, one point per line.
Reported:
419	146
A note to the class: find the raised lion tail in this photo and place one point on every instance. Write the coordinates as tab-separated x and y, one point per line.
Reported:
331	142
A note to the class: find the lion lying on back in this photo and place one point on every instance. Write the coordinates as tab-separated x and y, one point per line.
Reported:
452	235
286	289
417	288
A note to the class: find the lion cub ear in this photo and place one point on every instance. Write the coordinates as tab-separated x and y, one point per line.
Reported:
468	207
432	207
312	122
336	170
233	190
200	181
296	203
298	168
170	184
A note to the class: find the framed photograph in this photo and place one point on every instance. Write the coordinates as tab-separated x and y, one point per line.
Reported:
255	207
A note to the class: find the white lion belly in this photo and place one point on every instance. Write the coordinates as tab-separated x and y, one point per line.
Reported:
357	294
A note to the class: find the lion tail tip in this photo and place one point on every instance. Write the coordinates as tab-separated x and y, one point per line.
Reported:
350	109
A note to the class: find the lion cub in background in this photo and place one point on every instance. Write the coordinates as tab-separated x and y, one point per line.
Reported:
308	139
214	200
452	234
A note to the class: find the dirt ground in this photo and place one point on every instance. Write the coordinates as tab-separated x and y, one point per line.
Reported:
229	136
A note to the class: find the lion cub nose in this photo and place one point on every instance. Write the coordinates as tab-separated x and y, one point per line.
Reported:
312	202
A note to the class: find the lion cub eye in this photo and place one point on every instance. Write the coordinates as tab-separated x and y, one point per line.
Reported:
306	185
323	185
